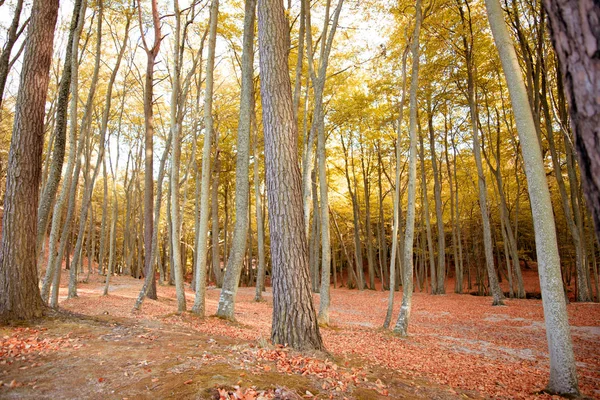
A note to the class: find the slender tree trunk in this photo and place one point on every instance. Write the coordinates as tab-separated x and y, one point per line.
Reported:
401	327
231	282
201	248
368	228
104	218
175	166
214	208
481	182
397	203
563	377
60	128
426	213
110	269
69	186
151	54
87	196
439	216
260	226
157	207
12	36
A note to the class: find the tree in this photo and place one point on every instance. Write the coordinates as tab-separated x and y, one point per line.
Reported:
201	248
14	32
242	181
60	131
20	296
151	54
563	376
294	317
401	326
574	30
396	199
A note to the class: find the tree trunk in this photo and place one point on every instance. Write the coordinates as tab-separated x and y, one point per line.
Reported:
294	318
87	195
439	216
563	377
260	226
175	166
575	35
60	128
481	182
401	326
20	297
201	248
426	213
396	199
242	182
151	54
12	36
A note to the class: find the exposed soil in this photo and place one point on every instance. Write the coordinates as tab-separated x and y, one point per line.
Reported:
460	347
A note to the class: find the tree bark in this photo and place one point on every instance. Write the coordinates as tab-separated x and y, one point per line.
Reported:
396	199
294	318
12	36
439	216
401	327
231	281
481	182
201	248
60	129
151	54
563	376
574	27
20	296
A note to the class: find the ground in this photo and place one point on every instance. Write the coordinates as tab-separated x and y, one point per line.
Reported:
459	347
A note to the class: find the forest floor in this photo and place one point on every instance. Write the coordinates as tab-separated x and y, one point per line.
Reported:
459	347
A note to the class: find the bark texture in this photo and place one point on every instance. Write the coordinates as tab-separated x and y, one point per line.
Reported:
201	248
401	327
19	293
294	318
575	31
242	181
563	376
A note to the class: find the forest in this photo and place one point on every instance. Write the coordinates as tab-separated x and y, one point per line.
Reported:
329	199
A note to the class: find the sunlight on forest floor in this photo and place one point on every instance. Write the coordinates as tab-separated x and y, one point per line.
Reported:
459	347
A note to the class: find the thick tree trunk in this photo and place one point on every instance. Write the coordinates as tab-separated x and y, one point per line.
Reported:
294	318
20	296
576	37
563	377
